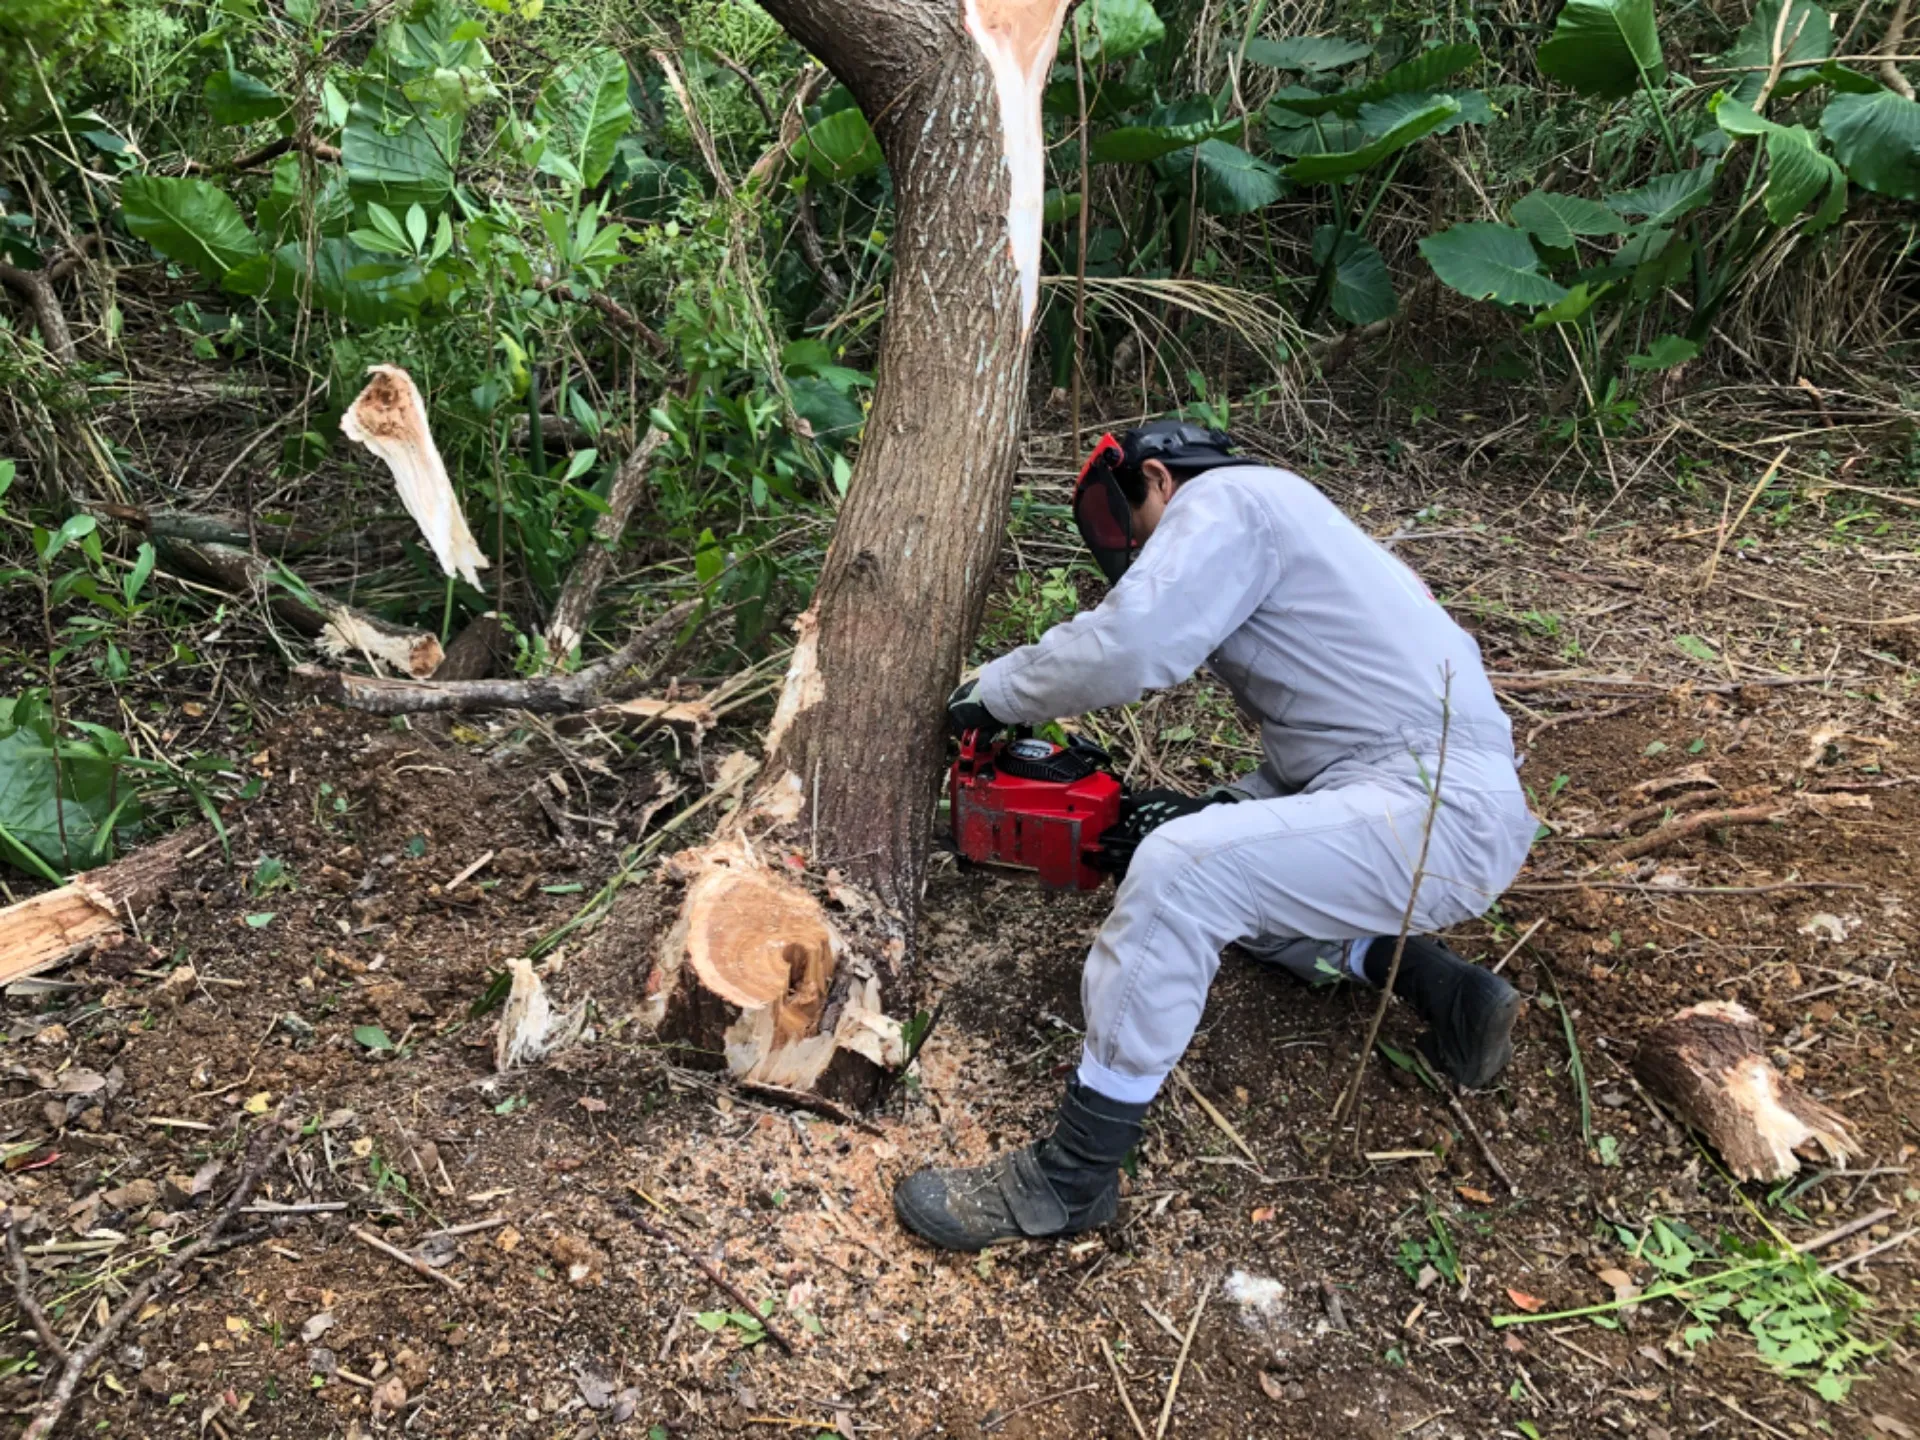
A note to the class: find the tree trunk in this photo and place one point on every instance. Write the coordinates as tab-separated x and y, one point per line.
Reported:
758	970
954	99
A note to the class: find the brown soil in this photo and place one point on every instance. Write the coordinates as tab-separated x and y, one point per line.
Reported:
569	1320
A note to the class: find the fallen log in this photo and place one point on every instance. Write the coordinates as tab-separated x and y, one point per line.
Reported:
342	631
1710	1064
755	974
89	911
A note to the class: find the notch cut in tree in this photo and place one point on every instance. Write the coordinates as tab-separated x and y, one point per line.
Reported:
1710	1064
857	741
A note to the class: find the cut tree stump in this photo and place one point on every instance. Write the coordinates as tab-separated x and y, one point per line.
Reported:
90	911
755	974
1710	1064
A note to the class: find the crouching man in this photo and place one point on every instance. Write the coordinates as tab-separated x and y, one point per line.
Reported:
1352	670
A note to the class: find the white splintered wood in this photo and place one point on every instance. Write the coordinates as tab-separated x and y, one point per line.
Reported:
390	419
1019	39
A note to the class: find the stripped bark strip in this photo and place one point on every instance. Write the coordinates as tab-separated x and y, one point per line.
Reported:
1679	830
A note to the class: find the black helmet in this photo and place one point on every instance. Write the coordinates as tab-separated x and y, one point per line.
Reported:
1112	482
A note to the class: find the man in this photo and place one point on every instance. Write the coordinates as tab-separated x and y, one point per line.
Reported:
1353	672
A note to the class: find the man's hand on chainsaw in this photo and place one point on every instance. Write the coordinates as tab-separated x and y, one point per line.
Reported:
1141	815
966	711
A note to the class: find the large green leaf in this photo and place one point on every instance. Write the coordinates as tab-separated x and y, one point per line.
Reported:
1379	116
1605	47
1423	121
1138	144
1877	137
1309	54
33	812
1557	221
1665	198
237	98
1423	74
1798	170
1806	40
1362	290
1232	182
1113	30
398	151
1491	262
839	147
342	278
584	107
1296	135
190	221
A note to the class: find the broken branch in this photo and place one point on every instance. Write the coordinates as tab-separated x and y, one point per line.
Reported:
1679	830
55	926
542	694
32	287
568	624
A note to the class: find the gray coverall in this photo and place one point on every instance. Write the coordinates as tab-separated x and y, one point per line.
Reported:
1343	657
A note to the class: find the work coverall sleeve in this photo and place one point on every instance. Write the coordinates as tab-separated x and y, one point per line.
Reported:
1209	563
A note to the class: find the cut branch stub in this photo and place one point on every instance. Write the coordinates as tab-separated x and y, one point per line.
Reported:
1710	1063
752	973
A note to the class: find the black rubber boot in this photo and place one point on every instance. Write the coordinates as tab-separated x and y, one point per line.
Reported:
1469	1011
1060	1185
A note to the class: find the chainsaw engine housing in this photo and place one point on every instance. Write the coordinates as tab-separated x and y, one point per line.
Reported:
1033	805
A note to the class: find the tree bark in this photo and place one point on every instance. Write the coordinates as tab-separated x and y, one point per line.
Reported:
952	91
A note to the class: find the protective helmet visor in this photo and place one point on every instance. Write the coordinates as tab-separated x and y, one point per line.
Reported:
1101	512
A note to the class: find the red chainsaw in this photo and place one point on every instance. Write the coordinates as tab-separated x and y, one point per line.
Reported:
1034	805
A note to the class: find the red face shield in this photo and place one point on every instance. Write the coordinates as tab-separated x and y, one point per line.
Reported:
1101	512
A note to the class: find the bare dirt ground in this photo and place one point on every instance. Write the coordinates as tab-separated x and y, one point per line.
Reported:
1319	1281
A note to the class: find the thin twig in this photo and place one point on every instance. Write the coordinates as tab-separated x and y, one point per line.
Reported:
1480	1140
994	1422
1180	1365
412	1262
1837	1266
1180	1074
54	1351
1766	479
739	1297
1841	1232
1657	840
1120	1384
77	1365
1350	1098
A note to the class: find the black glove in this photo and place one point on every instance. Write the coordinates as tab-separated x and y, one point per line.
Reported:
1141	815
966	711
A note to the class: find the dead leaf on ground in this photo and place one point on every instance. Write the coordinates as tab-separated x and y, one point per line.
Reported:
1261	1214
317	1326
1273	1388
1532	1304
1474	1194
593	1105
1898	1429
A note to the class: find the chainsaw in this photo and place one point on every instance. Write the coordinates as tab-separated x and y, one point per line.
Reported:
1034	805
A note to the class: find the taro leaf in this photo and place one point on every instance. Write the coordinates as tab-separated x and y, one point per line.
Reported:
839	146
1297	135
1423	74
31	817
1665	353
584	107
1877	137
1377	117
1113	30
438	36
1165	131
1665	198
1808	37
1484	261
1362	290
1232	182
1604	48
1557	221
1423	121
1309	54
279	215
361	287
372	1036
398	151
237	98
187	220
